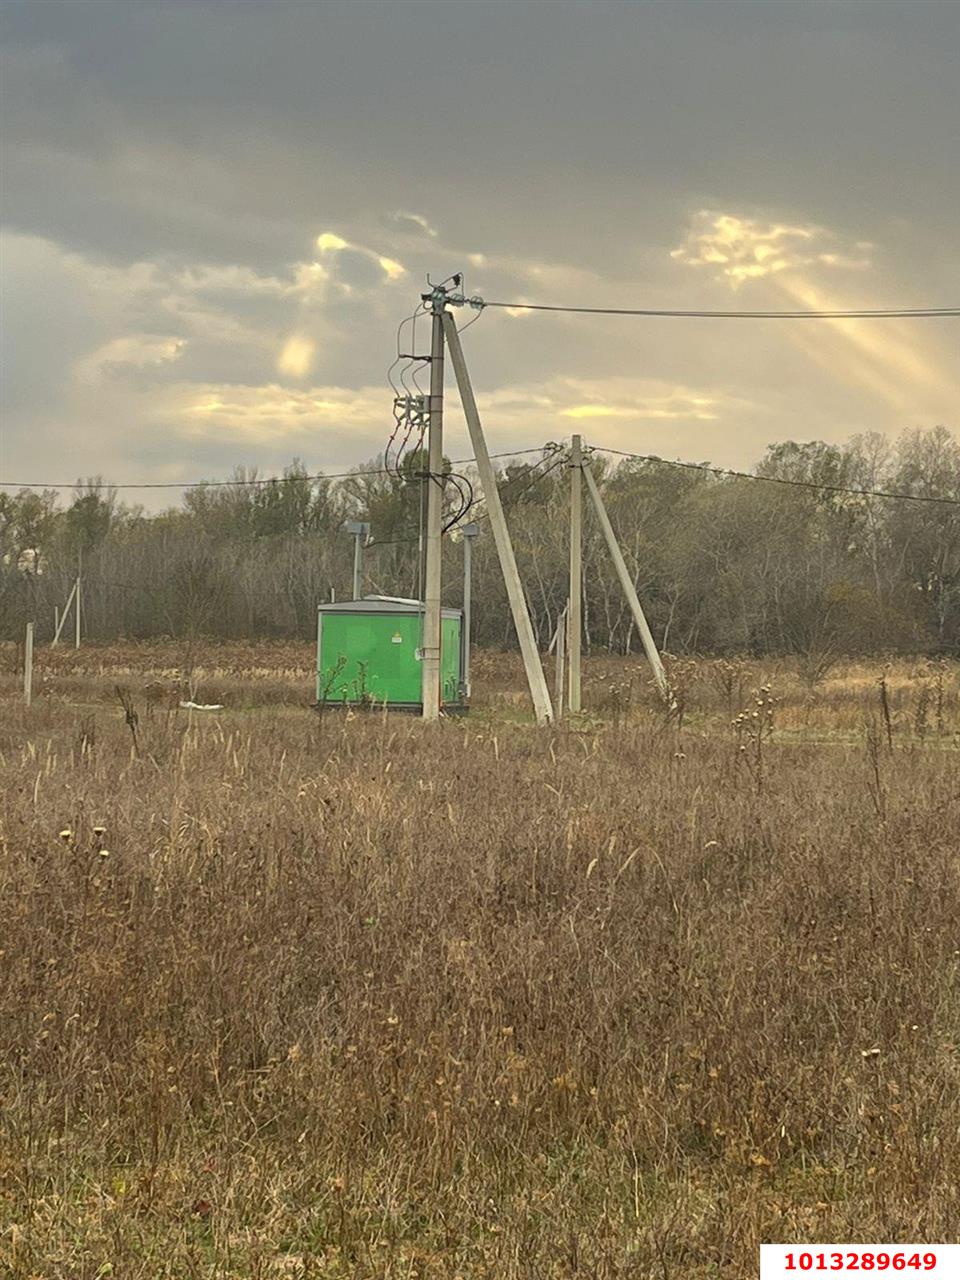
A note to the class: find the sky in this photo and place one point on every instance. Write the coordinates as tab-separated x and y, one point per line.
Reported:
216	213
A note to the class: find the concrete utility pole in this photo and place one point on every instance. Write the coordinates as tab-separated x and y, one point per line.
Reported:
430	639
501	534
28	665
76	615
576	571
469	531
626	582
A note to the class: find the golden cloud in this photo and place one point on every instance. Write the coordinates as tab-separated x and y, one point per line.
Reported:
328	242
618	398
883	358
392	269
272	412
741	249
688	410
296	357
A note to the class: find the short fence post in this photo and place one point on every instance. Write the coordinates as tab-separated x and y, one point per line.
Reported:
28	666
563	623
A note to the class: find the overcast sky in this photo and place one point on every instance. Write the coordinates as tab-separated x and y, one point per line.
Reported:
216	213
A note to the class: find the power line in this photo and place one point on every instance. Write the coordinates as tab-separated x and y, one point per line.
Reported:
510	453
797	484
235	484
862	313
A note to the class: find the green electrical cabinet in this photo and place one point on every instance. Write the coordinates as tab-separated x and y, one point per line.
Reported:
368	652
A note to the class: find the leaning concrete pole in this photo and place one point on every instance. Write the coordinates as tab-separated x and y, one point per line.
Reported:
626	582
430	639
501	534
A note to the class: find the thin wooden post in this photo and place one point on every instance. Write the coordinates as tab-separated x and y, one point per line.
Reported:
501	534
563	623
28	666
626	582
575	620
76	617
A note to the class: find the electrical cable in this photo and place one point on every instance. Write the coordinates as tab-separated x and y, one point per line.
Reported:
798	484
239	484
465	489
464	327
403	400
556	457
861	313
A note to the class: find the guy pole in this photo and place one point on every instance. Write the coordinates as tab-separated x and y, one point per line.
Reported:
576	571
430	639
501	534
62	617
626	582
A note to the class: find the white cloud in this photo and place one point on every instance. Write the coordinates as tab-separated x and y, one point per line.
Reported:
133	351
231	279
414	222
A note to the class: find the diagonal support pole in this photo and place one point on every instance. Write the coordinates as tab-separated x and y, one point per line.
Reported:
626	582
501	534
63	617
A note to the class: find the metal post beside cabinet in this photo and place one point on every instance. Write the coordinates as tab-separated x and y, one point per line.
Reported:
469	531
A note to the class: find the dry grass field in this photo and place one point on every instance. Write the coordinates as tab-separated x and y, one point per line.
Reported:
288	995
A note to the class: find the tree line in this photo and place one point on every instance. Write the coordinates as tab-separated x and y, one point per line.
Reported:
722	563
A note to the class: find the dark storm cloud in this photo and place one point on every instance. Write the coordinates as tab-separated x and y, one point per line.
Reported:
148	146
